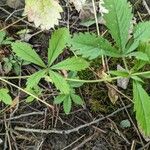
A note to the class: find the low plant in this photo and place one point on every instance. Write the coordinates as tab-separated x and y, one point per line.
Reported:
129	41
51	71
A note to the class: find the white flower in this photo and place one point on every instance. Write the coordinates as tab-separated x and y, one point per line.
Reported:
102	10
44	13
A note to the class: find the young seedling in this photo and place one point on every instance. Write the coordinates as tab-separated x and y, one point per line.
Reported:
50	70
129	42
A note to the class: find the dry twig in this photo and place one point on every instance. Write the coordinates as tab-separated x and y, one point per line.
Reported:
74	129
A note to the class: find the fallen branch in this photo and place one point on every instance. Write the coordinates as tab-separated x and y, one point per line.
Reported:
23	115
74	129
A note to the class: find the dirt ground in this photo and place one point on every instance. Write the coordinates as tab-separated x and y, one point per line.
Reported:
100	125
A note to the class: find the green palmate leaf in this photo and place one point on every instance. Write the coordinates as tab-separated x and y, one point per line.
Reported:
36	90
57	43
77	99
145	48
73	75
118	20
67	99
2	36
34	79
7	41
85	45
60	98
73	64
90	46
141	33
139	56
141	106
138	65
3	39
26	52
5	97
145	75
30	99
67	102
136	78
60	82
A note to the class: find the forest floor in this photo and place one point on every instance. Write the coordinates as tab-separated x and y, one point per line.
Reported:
100	125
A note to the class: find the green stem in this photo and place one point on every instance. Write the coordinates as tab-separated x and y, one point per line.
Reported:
78	80
93	81
125	64
68	79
